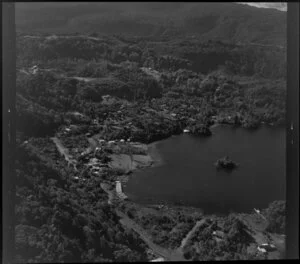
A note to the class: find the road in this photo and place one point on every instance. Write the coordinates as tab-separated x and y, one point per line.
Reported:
168	255
189	235
64	152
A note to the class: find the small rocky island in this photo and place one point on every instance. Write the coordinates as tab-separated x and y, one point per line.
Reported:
226	163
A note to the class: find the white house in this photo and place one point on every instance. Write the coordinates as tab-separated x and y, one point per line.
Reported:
157	260
261	250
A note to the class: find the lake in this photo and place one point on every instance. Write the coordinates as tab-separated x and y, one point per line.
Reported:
185	173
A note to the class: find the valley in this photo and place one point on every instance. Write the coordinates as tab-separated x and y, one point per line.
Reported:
91	109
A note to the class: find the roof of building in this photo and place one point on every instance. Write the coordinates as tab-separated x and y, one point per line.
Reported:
157	260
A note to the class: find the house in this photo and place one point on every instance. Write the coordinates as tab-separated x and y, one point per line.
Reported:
157	260
219	234
34	69
267	247
262	250
106	97
96	170
257	211
95	122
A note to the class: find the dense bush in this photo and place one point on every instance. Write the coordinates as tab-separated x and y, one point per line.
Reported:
276	214
57	219
60	218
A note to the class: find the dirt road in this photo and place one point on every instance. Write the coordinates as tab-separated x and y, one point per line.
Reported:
168	255
189	235
64	152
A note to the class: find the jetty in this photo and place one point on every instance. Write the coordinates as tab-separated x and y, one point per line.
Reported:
119	191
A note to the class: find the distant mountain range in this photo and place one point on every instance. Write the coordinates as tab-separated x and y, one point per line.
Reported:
210	21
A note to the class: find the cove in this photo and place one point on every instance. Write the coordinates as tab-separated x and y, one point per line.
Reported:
186	174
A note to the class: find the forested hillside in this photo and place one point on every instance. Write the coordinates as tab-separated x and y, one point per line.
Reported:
96	83
222	21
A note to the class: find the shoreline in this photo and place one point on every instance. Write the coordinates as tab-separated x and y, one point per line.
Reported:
153	151
156	160
154	154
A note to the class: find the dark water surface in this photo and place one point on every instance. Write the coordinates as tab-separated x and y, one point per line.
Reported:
187	173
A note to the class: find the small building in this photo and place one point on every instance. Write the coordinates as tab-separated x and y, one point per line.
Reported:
219	234
257	211
106	97
262	250
268	247
34	69
157	260
96	170
95	122
93	162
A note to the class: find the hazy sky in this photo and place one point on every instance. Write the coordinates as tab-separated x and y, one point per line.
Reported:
282	6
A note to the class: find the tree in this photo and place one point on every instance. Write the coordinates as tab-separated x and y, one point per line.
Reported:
275	214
